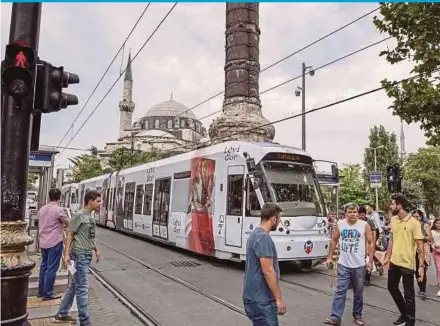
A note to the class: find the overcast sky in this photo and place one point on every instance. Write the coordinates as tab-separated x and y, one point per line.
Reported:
186	56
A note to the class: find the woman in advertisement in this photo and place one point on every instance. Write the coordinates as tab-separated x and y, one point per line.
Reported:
199	224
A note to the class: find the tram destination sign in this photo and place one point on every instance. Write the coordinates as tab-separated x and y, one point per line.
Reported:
288	157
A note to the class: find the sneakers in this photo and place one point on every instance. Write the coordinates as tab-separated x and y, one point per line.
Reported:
401	321
64	318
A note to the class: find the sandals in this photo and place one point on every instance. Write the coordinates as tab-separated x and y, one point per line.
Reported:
331	321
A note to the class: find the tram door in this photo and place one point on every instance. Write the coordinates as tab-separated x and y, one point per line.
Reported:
234	206
161	207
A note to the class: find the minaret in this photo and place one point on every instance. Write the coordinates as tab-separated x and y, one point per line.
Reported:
241	116
126	106
402	142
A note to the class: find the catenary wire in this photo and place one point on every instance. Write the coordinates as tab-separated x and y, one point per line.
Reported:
116	81
318	68
105	72
305	113
285	58
264	69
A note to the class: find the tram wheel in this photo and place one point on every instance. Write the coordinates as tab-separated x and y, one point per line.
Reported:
306	264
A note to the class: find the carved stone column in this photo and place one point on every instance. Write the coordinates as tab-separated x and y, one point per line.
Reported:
241	118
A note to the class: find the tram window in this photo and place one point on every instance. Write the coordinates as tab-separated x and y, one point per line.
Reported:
129	199
235	195
252	204
73	198
148	197
139	199
180	198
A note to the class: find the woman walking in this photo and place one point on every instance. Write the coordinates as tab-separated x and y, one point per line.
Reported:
436	249
427	238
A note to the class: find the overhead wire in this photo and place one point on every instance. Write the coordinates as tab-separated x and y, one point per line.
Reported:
284	58
105	72
116	81
305	113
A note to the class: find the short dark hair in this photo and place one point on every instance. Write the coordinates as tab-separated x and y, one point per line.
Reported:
350	206
91	195
269	210
54	194
373	206
362	210
400	200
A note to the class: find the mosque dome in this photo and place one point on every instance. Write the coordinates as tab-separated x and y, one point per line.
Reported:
170	108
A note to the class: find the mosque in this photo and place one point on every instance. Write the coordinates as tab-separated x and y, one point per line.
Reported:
167	127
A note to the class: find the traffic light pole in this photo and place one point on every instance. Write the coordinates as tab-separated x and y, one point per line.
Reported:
16	129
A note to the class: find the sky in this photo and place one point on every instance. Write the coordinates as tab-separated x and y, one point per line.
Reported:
186	56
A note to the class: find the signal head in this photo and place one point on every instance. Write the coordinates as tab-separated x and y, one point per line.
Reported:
312	72
297	92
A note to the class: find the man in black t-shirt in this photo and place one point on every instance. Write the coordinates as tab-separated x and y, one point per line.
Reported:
362	214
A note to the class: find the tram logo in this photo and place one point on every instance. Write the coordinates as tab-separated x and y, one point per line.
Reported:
308	247
251	227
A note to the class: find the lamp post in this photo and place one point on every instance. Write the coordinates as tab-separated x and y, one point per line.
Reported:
302	91
375	169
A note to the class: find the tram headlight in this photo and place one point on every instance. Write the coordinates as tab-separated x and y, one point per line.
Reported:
286	223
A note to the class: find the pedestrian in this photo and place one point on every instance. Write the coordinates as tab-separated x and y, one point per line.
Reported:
406	239
375	217
427	238
80	245
261	294
51	222
435	230
352	235
362	214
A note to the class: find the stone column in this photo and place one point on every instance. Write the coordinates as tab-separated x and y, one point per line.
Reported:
241	117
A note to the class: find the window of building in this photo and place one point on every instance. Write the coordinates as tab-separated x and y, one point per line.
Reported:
198	128
156	124
176	123
170	124
191	124
148	197
235	195
129	200
139	199
182	123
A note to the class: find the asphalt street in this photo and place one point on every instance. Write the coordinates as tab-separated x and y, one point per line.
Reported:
308	295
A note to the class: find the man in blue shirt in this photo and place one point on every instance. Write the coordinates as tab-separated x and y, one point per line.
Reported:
261	294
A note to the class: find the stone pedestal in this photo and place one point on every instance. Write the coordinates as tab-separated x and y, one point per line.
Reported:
242	118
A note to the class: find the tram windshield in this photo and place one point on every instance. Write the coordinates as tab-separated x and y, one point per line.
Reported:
295	188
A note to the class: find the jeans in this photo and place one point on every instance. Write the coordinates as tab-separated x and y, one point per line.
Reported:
422	284
262	313
50	262
356	277
407	305
79	287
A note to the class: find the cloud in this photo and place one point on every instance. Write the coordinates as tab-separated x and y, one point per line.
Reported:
186	56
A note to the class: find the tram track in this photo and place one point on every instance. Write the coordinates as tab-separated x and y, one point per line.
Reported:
177	280
372	306
145	317
380	287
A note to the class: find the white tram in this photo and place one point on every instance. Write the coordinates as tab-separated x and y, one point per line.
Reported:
209	200
69	197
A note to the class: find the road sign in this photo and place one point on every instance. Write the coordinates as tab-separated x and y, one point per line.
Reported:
375	179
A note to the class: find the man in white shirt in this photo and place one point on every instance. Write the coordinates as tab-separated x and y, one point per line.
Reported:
375	217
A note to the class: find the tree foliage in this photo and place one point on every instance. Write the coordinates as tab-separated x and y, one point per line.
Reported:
423	169
32	179
85	167
352	185
415	27
386	155
123	158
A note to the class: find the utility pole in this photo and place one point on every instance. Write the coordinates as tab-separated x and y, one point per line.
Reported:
302	91
376	189
18	82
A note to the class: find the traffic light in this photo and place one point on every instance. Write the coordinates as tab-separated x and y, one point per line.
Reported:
18	70
49	96
390	178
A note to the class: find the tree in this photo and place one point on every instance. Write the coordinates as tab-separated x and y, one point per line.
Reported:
87	165
386	155
123	158
413	192
32	179
415	28
352	185
423	168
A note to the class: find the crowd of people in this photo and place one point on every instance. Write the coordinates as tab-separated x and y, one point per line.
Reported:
404	245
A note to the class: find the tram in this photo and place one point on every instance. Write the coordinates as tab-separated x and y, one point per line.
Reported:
208	201
69	197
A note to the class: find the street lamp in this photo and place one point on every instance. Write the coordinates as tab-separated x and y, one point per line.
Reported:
375	169
298	92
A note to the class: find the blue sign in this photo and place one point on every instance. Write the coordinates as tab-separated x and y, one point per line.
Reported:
40	157
375	179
